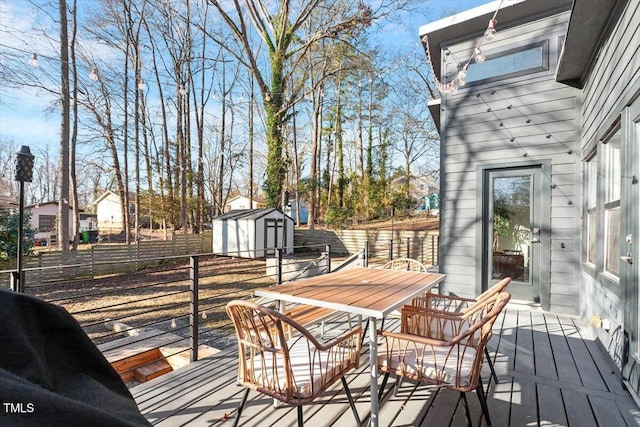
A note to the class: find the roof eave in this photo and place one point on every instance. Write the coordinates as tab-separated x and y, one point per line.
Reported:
585	33
474	22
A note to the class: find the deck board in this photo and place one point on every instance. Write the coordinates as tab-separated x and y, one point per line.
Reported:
550	407
545	364
578	409
550	374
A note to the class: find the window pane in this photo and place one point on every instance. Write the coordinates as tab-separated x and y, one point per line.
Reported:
592	182
514	62
612	260
511	227
592	233
613	168
46	223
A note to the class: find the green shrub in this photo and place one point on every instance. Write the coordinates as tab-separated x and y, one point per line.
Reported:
9	224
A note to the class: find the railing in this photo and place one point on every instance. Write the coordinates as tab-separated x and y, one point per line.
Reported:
100	259
176	302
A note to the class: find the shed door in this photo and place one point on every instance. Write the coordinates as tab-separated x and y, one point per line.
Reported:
513	231
275	235
271	235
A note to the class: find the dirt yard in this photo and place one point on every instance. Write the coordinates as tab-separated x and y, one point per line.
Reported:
157	297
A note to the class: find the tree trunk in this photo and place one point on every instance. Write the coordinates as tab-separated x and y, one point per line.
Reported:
74	133
63	171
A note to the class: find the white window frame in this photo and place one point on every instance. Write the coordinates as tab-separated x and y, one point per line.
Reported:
591	208
612	170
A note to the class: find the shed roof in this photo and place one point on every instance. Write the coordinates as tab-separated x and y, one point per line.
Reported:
248	214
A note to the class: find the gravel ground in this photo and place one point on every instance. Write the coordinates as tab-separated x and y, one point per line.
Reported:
158	298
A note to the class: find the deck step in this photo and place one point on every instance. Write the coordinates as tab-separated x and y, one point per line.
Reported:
152	370
128	364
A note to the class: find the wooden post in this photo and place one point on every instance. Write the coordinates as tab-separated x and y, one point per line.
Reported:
433	251
93	263
193	308
408	247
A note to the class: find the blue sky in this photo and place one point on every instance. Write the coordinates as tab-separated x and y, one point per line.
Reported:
27	119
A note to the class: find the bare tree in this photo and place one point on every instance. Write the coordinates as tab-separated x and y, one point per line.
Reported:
278	27
63	204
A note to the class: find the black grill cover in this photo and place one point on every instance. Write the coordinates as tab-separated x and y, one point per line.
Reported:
51	374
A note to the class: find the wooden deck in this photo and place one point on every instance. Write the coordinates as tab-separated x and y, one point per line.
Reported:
550	374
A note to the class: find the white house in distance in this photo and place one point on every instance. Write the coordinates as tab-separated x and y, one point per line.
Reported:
540	159
109	213
44	220
242	202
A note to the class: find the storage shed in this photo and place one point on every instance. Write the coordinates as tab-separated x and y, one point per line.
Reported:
252	233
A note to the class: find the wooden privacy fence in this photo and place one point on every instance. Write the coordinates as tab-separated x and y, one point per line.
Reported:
98	260
387	244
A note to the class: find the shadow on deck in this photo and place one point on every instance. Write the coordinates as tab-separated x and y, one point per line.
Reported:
550	373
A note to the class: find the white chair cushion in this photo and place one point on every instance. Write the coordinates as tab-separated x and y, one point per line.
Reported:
437	363
309	366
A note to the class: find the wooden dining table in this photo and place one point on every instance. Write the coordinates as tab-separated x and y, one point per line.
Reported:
362	291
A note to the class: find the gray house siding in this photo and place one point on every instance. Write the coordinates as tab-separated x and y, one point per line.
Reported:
525	120
612	78
612	84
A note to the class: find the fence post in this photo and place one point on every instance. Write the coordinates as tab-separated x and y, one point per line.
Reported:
365	253
193	308
408	247
327	249
39	267
278	266
433	252
391	249
93	262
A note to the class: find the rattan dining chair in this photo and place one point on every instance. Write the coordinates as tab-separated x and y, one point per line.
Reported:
458	306
400	264
406	264
292	370
424	353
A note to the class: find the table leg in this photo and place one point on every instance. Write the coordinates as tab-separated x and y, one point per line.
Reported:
373	360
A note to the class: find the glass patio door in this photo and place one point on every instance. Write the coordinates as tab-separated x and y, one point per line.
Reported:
513	230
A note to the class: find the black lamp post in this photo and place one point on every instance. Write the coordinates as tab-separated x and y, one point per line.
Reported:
24	173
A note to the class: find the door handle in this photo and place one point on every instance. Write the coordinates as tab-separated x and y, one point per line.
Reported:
628	259
535	235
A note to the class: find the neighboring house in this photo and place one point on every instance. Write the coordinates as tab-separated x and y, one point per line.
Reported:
109	213
540	160
242	202
292	210
44	219
8	202
88	222
419	186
